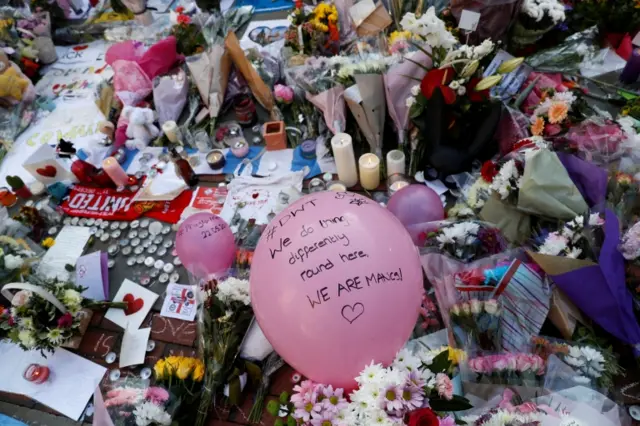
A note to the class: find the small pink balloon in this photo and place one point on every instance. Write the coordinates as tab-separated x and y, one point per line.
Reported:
414	205
335	284
205	245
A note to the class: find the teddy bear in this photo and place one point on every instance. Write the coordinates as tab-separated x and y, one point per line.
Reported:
141	129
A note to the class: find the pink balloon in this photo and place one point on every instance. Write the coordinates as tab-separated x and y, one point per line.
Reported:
335	284
415	205
205	245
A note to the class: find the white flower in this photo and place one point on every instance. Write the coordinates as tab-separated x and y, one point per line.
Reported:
410	101
476	306
574	253
26	323
566	97
485	48
592	355
491	306
372	373
406	361
454	85
595	220
409	22
553	245
462	90
582	380
72	298
12	262
234	290
575	362
21	298
415	90
27	339
148	413
55	336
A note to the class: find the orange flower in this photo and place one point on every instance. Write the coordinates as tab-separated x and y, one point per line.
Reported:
538	126
558	112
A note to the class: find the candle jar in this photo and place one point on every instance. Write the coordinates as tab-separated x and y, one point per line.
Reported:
369	171
7	198
245	111
316	185
202	141
336	186
36	373
396	182
216	159
308	149
240	149
395	162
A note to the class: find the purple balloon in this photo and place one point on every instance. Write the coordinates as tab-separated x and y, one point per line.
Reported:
415	205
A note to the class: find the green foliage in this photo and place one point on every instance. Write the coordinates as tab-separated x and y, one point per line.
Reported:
273	407
284	397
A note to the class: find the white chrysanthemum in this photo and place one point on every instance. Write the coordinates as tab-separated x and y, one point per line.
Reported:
149	413
574	253
406	361
372	373
395	377
72	298
55	336
429	377
592	355
27	338
26	323
12	262
566	97
553	245
415	90
575	362
462	91
485	48
234	290
582	380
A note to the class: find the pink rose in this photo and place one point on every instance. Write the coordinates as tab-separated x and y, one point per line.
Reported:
552	129
477	365
283	94
500	363
511	362
538	364
524	363
444	386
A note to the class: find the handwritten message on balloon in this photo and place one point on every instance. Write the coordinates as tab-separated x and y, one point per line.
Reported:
335	283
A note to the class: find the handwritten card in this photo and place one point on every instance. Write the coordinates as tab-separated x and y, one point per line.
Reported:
92	272
139	299
71	383
68	248
134	346
180	302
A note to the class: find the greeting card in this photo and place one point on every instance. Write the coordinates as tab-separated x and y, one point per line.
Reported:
139	299
45	167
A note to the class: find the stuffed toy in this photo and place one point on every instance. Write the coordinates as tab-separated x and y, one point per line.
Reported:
141	129
12	84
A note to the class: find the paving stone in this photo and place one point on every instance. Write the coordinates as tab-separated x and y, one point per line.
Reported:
240	413
156	354
98	342
281	381
172	330
15	399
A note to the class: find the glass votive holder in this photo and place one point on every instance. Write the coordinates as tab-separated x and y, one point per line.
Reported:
316	185
36	373
396	182
336	186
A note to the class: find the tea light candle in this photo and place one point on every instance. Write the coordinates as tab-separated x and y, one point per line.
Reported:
369	171
336	186
216	159
395	162
342	147
316	185
396	182
170	129
36	373
240	149
37	188
115	171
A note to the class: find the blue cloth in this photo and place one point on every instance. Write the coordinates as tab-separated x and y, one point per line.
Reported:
299	163
8	421
232	161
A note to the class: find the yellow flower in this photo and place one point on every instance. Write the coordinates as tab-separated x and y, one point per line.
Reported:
198	371
159	369
538	126
398	36
558	112
48	242
172	363
185	368
456	356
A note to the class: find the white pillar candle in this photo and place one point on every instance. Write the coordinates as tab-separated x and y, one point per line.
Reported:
345	159
369	171
170	129
395	162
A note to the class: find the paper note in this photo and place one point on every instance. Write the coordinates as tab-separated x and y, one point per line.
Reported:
469	20
361	10
71	383
92	272
69	246
139	299
180	302
134	346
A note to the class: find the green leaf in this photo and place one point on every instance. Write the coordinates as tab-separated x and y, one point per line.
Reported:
291	421
457	403
520	99
627	95
441	362
284	397
278	422
416	110
420	48
253	371
273	407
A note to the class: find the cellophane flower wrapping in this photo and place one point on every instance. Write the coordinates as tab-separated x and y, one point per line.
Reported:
504	368
132	402
170	95
569	55
599	141
514	126
497	17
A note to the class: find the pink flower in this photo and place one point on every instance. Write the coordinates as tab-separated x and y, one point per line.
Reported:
333	400
156	395
21	298
500	363
511	362
524	363
538	364
303	392
283	94
122	396
65	321
447	421
477	365
444	386
527	407
324	419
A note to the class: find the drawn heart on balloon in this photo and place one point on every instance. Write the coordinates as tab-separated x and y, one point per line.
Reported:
255	195
133	304
352	313
47	171
265	35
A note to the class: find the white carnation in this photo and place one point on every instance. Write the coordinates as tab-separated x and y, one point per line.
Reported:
234	290
415	90
12	262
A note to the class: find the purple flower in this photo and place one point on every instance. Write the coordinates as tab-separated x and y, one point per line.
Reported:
412	397
324	419
305	409
415	379
447	421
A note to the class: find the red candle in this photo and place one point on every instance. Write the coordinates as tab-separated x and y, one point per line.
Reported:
36	373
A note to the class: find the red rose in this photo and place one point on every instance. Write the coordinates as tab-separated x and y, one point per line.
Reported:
471	277
65	321
179	9
184	19
439	78
489	171
423	417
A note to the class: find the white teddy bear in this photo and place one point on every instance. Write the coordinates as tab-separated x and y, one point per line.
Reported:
141	129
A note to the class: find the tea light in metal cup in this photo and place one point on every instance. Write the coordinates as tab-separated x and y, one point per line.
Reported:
316	185
110	358
396	182
114	375
240	149
336	186
36	373
216	159
145	373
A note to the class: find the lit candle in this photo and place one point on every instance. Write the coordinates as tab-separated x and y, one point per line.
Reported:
396	182
170	129
369	171
115	171
631	71
336	186
216	159
395	162
342	148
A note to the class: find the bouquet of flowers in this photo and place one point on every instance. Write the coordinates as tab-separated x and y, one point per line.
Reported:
553	115
136	403
451	103
384	395
477	325
189	36
537	17
467	240
598	289
521	369
223	321
314	33
185	372
15	258
599	140
45	316
614	17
